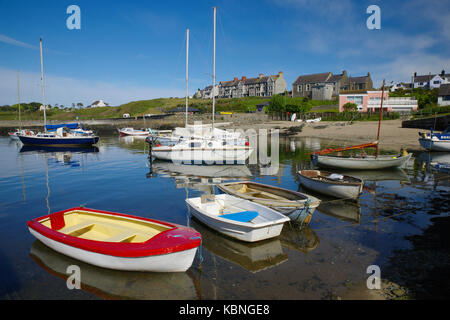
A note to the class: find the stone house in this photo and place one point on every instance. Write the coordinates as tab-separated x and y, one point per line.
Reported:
320	83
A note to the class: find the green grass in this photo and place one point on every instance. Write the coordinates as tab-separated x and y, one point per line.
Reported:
152	106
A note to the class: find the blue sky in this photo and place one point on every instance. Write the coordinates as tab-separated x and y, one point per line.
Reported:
134	50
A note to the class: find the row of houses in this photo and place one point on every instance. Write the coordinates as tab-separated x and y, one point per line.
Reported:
320	86
261	86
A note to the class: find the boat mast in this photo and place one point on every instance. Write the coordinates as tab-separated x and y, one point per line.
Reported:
187	72
214	71
18	98
379	120
42	84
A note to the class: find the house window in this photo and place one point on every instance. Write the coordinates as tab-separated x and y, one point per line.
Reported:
307	87
436	82
299	88
446	98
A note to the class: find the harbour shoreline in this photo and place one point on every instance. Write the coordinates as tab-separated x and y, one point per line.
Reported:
392	135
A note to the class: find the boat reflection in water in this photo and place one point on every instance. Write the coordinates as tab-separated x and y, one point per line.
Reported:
113	284
343	210
253	257
202	178
60	154
300	239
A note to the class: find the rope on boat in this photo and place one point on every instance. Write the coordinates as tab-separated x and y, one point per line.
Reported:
304	212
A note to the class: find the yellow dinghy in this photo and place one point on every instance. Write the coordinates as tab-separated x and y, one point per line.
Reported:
295	205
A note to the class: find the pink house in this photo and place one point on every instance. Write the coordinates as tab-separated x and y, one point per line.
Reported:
370	101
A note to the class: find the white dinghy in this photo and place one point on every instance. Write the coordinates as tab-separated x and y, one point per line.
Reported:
237	218
332	184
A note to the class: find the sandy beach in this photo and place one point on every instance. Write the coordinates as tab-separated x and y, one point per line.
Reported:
392	135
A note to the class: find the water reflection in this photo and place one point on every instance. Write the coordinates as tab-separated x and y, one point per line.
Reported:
253	257
113	284
201	178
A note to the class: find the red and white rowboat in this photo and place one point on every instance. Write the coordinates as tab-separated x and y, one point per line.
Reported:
118	241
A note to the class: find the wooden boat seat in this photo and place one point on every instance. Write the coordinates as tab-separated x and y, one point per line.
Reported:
77	228
122	237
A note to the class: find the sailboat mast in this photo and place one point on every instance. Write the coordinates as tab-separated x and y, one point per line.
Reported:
214	71
379	120
187	73
42	84
18	98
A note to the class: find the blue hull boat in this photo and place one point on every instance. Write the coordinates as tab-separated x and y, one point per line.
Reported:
435	141
58	141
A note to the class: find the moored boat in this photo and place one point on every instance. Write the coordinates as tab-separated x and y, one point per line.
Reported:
295	205
332	184
58	138
361	163
118	241
237	218
435	141
203	152
133	132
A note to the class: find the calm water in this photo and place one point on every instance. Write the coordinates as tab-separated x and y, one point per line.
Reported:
326	259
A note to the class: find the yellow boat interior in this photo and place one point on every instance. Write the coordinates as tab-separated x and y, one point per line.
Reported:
261	192
104	227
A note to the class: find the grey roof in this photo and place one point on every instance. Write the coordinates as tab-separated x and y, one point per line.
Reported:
444	90
424	78
362	79
335	78
313	78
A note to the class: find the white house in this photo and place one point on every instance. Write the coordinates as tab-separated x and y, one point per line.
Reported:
431	81
98	103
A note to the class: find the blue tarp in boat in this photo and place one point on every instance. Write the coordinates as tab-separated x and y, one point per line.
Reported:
51	127
244	216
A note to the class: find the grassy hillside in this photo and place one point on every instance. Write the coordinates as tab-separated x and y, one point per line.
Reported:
136	108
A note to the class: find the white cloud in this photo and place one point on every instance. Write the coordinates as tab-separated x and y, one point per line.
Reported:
65	90
14	42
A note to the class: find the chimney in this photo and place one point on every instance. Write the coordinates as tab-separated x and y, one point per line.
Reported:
280	74
235	79
261	75
415	74
443	73
244	78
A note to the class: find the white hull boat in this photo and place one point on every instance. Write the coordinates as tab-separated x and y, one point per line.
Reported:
133	132
210	152
435	141
295	205
117	241
362	163
237	218
332	184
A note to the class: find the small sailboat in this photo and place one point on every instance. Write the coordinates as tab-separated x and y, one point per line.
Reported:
62	136
118	241
295	205
237	218
364	162
194	144
435	141
209	152
332	184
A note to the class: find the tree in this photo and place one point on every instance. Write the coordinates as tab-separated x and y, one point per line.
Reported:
350	107
79	104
